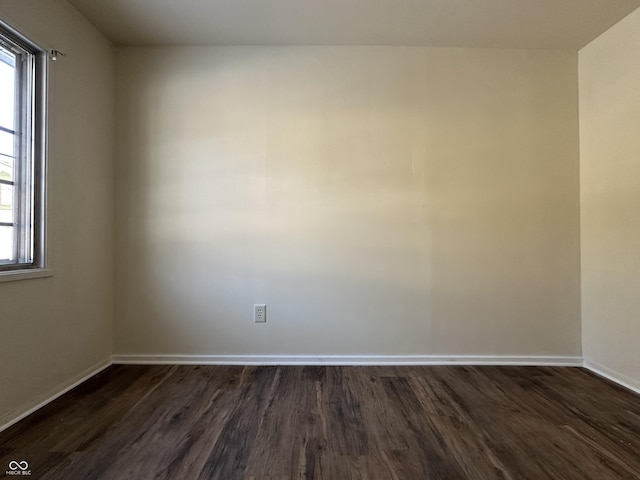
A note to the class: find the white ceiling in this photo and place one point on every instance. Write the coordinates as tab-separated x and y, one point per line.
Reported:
562	24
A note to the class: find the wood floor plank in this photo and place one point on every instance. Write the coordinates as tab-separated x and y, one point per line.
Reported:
435	461
279	427
468	446
333	423
381	418
346	429
229	455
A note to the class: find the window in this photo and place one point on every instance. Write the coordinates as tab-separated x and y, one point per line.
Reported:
22	130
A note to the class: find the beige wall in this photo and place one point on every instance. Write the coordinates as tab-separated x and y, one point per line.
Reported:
53	330
610	199
379	200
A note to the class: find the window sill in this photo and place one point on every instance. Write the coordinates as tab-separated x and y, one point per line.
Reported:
14	276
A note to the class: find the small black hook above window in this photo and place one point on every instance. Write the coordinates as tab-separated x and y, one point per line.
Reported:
54	54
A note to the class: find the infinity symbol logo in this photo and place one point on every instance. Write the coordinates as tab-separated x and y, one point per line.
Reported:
23	465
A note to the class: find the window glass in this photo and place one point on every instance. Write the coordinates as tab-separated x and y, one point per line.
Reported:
22	69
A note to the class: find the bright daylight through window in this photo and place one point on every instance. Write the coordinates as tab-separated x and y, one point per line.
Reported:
22	71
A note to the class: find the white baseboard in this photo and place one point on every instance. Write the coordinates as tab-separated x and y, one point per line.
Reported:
15	416
346	360
621	379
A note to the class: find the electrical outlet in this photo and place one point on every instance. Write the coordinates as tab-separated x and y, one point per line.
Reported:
260	313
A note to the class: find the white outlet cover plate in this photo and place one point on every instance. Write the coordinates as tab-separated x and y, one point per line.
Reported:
260	313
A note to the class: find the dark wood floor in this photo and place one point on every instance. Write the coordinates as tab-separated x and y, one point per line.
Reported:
190	422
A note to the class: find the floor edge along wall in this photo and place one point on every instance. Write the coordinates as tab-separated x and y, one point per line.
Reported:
407	360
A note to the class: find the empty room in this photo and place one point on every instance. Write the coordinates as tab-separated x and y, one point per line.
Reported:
320	239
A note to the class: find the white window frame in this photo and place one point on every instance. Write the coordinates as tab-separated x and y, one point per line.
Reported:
30	132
